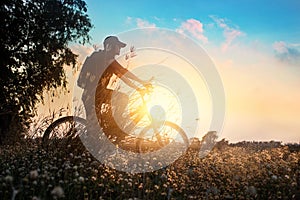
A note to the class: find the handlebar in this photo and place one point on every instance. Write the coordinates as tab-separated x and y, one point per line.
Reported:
147	88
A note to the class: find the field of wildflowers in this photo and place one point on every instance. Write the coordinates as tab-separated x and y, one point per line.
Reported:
27	171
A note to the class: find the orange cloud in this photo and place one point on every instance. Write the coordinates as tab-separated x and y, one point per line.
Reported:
262	94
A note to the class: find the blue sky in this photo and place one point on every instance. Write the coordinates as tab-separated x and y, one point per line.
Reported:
260	20
254	44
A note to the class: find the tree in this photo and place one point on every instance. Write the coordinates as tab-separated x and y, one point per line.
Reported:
208	142
34	38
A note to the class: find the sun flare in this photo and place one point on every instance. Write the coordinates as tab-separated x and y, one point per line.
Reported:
157	106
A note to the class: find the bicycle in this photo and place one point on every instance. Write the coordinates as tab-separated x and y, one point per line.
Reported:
71	127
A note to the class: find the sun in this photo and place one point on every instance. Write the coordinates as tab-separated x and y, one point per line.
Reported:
157	107
163	101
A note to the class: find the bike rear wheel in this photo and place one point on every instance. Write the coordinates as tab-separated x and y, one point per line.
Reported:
63	131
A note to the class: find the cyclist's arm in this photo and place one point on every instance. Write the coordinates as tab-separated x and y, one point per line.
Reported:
128	82
130	75
124	72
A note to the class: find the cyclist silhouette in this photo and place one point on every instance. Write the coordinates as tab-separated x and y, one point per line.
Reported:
97	71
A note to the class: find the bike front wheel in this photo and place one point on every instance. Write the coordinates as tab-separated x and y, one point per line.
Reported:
168	133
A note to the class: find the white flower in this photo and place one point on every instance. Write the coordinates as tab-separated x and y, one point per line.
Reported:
81	179
76	174
252	190
129	184
287	176
58	192
9	179
33	174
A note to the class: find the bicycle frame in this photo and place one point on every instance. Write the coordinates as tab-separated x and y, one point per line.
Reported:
122	137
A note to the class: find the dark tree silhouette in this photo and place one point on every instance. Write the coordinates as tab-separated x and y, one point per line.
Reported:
34	38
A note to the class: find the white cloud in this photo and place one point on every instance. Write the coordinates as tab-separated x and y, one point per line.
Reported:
128	20
295	44
229	32
194	28
287	52
157	18
280	47
140	23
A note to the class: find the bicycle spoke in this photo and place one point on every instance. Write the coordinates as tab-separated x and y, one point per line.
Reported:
64	129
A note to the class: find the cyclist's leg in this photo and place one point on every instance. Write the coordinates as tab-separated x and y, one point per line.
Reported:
105	115
87	105
121	102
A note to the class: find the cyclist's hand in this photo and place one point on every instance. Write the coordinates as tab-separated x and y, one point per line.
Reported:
147	84
142	91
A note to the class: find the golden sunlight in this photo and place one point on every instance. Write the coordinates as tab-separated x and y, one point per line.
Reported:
154	109
177	82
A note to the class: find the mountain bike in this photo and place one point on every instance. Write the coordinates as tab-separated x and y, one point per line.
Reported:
138	132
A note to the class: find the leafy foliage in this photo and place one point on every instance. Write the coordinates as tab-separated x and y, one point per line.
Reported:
34	38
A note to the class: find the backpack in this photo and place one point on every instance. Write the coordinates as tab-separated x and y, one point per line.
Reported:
92	69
